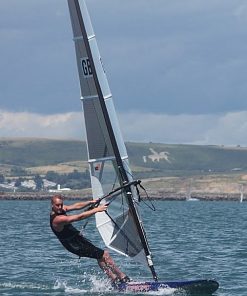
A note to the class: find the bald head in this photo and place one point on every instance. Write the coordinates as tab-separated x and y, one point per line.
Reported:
55	198
57	203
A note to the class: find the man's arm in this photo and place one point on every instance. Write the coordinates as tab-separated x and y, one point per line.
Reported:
61	220
79	205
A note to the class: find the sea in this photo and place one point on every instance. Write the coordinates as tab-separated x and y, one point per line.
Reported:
189	240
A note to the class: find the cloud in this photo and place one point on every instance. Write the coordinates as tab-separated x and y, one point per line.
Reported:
183	56
177	71
58	126
209	129
230	129
240	12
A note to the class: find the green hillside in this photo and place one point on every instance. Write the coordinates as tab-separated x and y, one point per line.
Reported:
189	158
40	152
146	159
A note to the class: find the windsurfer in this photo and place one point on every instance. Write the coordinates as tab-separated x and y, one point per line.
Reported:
75	242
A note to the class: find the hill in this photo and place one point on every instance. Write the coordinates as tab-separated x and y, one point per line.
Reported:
146	159
166	170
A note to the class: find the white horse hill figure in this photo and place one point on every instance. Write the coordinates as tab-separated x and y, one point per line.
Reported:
156	156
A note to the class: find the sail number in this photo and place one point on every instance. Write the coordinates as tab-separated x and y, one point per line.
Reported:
86	67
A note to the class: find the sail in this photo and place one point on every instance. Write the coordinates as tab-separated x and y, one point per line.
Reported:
120	227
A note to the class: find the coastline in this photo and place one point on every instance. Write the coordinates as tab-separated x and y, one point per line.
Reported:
204	188
155	195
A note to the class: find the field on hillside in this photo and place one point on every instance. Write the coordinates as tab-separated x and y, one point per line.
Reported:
30	153
199	186
170	168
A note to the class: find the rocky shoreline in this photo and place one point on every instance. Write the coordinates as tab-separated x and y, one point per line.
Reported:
156	195
213	187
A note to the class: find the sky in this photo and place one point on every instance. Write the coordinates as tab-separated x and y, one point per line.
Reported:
177	69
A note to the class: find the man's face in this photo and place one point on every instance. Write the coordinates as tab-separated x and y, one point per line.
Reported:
57	205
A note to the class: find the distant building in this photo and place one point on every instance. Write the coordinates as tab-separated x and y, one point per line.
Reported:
30	184
59	189
9	186
49	184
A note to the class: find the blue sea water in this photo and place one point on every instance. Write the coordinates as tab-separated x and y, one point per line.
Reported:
189	240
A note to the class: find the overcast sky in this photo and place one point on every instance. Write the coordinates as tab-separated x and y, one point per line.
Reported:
177	69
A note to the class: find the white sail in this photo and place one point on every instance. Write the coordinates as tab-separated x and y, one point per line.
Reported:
121	227
241	193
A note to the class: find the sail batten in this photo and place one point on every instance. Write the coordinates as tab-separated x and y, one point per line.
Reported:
96	96
89	97
120	226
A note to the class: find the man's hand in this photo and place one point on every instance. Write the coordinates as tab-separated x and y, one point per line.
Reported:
102	208
94	201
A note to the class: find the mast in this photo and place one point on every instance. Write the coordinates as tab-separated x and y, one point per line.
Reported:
120	166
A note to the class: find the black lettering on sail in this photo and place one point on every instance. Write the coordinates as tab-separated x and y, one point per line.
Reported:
86	67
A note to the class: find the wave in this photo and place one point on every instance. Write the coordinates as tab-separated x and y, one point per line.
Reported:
24	286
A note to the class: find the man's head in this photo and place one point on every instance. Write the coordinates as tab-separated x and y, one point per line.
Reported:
57	203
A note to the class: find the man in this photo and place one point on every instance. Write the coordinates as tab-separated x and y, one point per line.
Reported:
74	242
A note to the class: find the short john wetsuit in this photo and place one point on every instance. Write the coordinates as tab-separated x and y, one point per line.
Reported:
74	242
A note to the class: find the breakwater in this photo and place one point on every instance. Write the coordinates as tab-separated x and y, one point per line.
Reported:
85	195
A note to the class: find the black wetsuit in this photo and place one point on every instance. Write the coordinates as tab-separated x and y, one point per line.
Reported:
74	242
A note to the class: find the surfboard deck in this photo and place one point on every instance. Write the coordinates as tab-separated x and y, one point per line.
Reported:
204	287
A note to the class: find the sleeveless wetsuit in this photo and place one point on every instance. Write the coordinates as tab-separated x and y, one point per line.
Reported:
74	242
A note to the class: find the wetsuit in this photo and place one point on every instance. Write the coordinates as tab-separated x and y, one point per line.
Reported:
74	242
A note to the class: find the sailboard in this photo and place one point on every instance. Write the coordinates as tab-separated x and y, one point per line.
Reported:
112	181
199	287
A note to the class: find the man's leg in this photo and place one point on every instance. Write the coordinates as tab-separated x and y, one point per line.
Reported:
110	268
